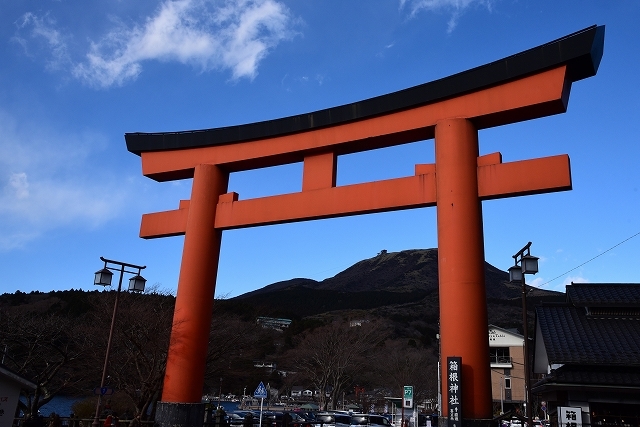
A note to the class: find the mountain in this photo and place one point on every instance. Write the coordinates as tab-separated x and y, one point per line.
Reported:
390	282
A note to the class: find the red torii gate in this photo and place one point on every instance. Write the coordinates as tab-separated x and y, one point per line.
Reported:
531	84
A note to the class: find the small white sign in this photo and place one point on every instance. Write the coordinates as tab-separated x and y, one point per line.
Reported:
569	417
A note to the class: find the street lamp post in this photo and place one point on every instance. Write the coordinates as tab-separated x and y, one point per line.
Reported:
103	278
525	263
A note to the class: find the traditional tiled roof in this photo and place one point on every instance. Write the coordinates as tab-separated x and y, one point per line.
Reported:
604	294
574	335
592	377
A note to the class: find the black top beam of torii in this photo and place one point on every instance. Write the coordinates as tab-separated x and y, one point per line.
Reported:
581	52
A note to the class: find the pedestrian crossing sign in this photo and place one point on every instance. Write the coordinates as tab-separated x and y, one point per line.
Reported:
261	391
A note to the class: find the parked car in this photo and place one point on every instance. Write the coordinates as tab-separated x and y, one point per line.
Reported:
237	418
343	419
324	419
279	419
332	419
368	420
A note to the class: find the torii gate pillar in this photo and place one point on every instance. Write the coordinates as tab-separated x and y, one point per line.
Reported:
194	300
531	84
461	261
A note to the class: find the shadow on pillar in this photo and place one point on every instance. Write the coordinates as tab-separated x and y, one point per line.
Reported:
180	414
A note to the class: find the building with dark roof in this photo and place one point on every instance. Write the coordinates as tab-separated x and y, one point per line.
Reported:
588	349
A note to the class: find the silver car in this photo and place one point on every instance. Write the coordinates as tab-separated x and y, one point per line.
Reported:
367	420
332	419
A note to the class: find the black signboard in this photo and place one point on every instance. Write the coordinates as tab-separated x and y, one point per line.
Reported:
454	391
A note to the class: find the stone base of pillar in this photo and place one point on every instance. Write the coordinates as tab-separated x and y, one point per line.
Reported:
171	414
444	422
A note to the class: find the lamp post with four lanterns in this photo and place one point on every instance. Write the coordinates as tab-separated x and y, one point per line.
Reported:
103	278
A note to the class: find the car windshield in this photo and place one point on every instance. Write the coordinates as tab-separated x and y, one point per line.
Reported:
325	418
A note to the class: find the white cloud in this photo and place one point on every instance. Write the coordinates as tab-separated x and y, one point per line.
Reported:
18	183
234	35
44	184
560	287
455	7
44	28
535	282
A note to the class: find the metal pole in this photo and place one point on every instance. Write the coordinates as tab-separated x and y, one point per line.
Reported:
402	419
527	386
96	421
501	395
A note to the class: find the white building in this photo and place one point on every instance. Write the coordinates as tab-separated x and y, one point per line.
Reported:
506	352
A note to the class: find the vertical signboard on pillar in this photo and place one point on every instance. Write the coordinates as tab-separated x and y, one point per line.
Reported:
454	390
407	401
569	417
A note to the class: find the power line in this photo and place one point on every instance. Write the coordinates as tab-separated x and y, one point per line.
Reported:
588	261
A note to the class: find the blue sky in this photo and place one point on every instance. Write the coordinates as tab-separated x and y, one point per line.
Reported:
76	75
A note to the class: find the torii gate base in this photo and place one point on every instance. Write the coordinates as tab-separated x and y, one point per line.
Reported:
534	83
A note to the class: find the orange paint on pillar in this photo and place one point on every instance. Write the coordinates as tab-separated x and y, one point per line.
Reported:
184	377
463	308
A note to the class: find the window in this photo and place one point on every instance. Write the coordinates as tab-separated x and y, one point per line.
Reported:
507	383
499	355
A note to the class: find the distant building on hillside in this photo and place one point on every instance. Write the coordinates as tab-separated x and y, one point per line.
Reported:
296	390
357	322
273	323
270	366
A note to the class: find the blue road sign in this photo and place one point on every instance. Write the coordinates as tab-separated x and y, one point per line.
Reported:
261	391
103	390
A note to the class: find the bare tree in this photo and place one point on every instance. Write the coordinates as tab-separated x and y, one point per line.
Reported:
401	365
332	356
44	349
139	345
234	345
